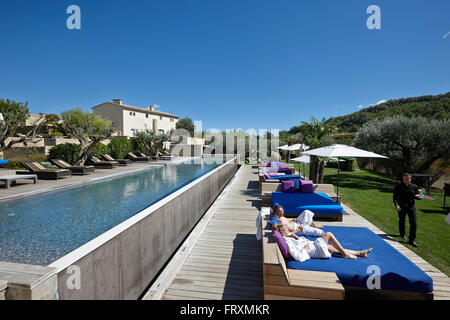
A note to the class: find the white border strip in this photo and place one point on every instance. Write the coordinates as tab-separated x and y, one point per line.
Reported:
75	255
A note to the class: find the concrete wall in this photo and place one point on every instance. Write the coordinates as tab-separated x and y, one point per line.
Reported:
111	112
121	263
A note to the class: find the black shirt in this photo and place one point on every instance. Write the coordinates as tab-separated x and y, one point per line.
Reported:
404	196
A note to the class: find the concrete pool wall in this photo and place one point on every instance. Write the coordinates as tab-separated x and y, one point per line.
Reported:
121	263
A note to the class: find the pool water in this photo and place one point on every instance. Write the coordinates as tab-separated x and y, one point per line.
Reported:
41	229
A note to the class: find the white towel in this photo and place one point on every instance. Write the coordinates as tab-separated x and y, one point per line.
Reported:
264	212
305	219
317	249
296	248
448	218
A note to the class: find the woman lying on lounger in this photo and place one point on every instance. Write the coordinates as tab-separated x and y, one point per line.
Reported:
303	225
302	249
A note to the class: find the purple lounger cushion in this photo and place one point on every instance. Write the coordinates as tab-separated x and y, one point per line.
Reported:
306	186
281	243
287	186
284	170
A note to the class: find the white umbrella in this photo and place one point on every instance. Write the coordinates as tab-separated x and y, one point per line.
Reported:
295	147
304	160
1	117
285	147
342	151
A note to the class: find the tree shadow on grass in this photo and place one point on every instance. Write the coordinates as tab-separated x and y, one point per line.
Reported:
438	211
363	183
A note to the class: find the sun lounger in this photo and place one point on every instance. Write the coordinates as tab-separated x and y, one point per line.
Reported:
103	164
122	162
325	278
145	156
82	170
42	172
10	180
296	202
166	156
133	157
399	277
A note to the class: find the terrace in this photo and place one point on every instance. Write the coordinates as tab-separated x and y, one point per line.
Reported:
222	259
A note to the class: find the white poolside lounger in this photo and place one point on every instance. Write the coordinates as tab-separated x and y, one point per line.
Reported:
11	179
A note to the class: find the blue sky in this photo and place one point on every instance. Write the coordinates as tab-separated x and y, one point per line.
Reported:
232	64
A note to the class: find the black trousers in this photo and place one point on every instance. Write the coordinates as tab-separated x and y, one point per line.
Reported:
412	216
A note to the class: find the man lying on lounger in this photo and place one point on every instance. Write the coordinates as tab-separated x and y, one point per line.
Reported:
302	249
303	225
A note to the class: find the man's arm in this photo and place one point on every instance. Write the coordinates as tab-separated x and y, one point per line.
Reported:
395	198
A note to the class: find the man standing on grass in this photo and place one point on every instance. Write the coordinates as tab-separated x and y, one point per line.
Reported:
405	194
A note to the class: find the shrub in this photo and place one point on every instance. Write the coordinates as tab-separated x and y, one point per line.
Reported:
98	149
119	147
67	152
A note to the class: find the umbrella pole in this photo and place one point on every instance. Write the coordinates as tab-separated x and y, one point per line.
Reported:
337	183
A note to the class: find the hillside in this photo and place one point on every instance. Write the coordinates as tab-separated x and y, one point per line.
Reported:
437	107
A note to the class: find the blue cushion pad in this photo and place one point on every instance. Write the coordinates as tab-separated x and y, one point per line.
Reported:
397	271
296	203
316	209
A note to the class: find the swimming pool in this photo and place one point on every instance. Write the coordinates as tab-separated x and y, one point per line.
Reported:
41	229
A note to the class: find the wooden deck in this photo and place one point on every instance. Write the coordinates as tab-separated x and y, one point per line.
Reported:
222	259
225	262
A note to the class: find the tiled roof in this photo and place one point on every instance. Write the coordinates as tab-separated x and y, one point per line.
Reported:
144	110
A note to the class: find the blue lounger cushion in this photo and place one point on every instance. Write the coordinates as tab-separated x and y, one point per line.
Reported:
295	203
397	271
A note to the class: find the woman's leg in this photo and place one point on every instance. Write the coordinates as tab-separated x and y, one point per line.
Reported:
336	246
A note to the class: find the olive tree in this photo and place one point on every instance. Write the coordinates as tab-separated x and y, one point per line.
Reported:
151	143
13	122
89	128
414	143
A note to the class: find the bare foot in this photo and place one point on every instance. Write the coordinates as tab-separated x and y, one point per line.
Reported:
364	253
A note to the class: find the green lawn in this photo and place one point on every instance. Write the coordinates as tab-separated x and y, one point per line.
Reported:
370	195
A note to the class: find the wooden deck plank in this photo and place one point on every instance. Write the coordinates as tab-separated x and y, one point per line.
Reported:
226	260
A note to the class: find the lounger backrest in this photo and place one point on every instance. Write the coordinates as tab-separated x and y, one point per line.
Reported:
64	163
61	163
39	165
132	155
142	155
30	166
95	159
108	157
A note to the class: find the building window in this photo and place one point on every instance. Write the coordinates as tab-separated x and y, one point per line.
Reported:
160	117
160	131
146	115
131	113
132	132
